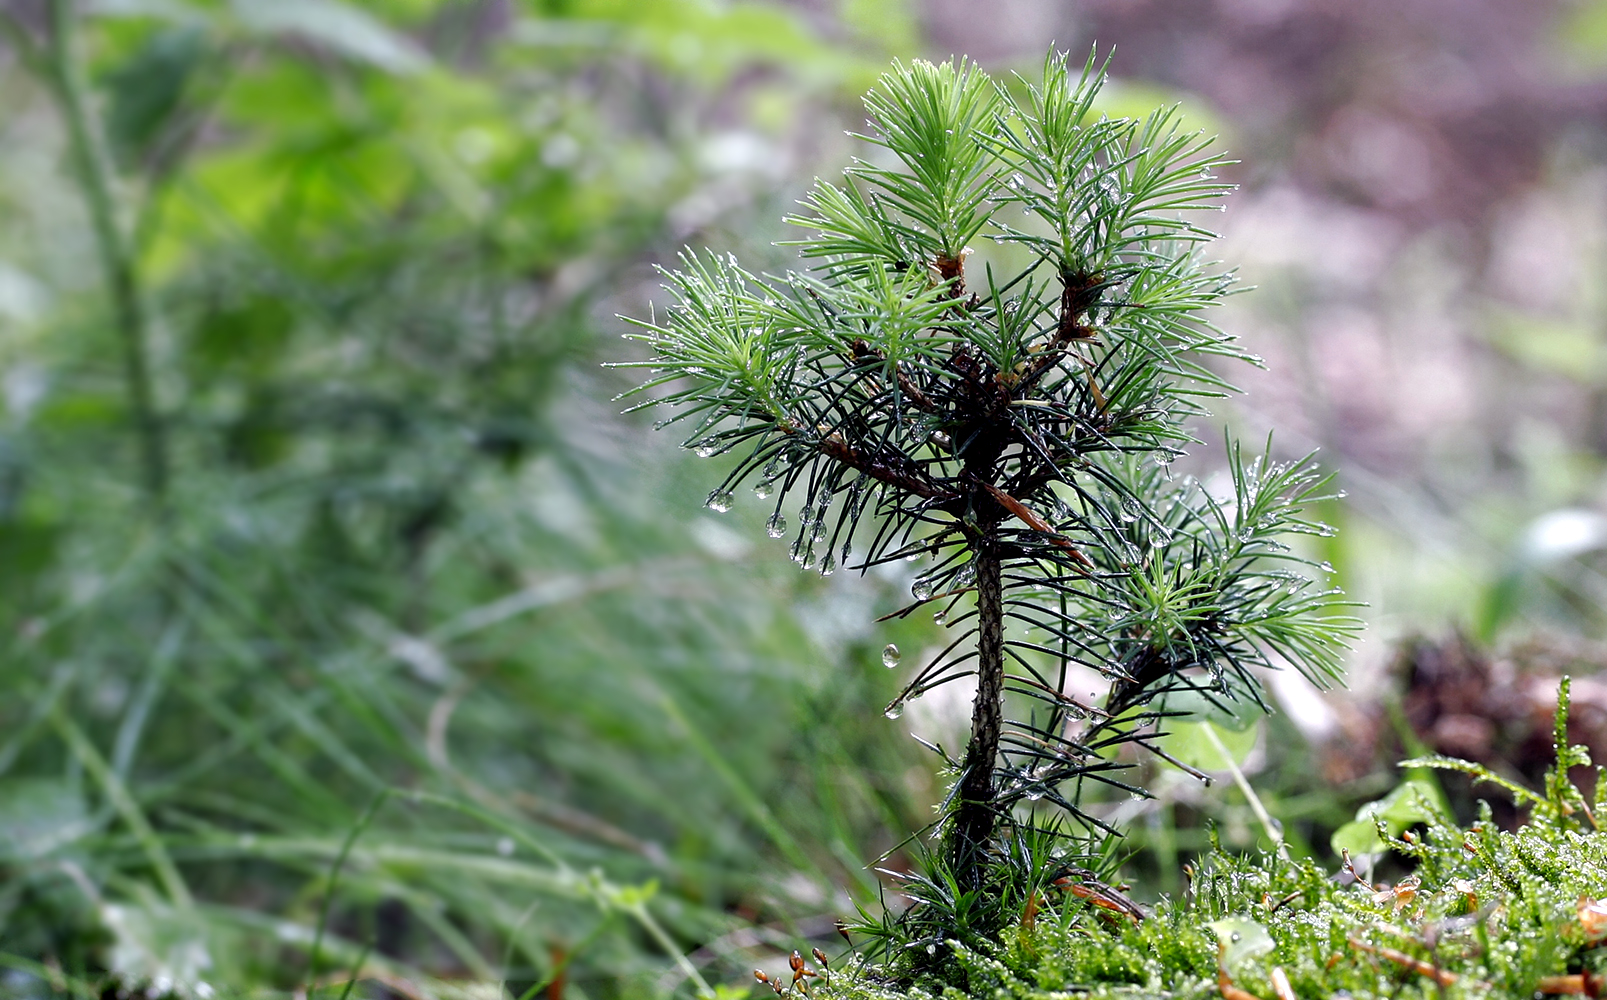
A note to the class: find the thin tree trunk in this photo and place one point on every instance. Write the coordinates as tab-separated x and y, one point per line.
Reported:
974	820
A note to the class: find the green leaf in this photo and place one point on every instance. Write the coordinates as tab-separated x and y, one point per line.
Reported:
1410	803
1241	939
1199	707
1191	744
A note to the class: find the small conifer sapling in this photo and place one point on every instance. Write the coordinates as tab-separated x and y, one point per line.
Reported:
1013	427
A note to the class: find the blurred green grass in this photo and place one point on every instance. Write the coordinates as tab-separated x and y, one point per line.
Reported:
414	656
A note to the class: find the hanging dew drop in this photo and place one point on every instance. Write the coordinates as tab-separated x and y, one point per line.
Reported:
763	489
776	526
819	534
922	589
719	501
828	565
706	450
966	576
940	617
891	656
894	710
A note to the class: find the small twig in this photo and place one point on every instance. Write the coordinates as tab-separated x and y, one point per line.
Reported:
1442	976
1035	522
1102	896
834	446
1580	983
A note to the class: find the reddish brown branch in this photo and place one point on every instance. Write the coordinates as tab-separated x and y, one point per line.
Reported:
1417	965
1578	984
1077	296
833	446
1103	896
952	271
1035	522
863	353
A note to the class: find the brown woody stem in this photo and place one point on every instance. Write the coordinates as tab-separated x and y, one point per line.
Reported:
974	818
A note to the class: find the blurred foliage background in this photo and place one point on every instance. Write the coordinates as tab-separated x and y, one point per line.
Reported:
348	628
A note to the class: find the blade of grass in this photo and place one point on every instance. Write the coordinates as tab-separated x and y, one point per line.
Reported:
118	795
334	874
1267	822
745	795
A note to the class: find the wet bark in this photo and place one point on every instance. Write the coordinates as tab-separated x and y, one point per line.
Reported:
974	817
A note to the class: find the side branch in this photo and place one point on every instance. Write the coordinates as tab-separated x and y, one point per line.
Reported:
864	353
891	473
1035	522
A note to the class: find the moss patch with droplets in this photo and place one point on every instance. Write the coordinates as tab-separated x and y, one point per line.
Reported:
1485	913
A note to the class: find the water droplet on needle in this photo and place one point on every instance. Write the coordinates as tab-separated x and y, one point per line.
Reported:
891	656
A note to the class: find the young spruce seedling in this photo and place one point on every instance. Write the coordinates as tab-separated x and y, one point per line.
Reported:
1015	429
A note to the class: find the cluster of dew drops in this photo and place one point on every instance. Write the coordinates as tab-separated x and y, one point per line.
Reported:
721	501
814	525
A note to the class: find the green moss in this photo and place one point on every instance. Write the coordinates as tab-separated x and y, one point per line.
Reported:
1485	913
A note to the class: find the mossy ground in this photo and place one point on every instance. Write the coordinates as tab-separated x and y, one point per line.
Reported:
1484	912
